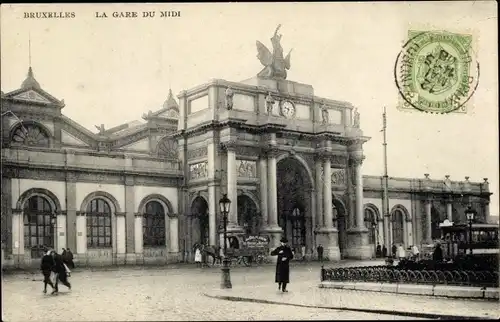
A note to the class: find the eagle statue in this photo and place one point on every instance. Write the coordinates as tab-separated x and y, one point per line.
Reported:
275	66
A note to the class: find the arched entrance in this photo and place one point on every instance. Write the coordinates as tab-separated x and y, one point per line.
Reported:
339	221
294	203
397	227
38	225
371	223
199	220
248	217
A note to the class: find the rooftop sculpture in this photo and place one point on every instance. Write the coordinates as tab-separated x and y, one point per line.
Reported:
275	66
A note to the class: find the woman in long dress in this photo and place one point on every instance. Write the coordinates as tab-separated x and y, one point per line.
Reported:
197	256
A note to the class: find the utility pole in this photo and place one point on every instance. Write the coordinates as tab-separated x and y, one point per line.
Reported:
385	201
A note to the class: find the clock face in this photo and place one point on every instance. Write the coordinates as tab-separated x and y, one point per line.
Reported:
287	109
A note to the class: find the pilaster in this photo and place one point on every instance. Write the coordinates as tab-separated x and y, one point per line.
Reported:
81	234
139	242
428	219
212	203
128	222
71	208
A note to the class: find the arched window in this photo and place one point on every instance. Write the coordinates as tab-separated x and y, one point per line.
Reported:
167	148
371	225
397	227
98	224
30	134
38	227
153	225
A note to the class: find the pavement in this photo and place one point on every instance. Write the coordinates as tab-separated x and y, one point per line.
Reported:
132	294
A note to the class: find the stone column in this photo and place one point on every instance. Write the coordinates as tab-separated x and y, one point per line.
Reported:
359	246
327	194
232	192
138	238
360	223
319	193
17	237
273	229
121	238
212	202
174	235
128	254
263	191
449	210
428	207
327	235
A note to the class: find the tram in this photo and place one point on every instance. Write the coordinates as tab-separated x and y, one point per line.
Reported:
477	242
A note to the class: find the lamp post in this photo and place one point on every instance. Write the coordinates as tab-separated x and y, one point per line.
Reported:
225	204
470	214
53	221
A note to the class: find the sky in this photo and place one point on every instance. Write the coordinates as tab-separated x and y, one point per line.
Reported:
112	70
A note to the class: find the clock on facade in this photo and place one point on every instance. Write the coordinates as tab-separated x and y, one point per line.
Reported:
287	109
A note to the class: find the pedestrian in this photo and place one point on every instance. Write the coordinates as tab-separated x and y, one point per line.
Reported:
70	258
378	252
384	251
47	263
401	252
394	250
320	252
303	252
415	252
437	255
197	256
284	253
61	272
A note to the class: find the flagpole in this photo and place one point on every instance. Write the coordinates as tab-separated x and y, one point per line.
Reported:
387	237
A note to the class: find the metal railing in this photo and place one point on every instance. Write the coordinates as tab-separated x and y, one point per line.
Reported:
385	274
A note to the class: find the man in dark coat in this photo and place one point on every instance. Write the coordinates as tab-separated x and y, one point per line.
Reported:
384	251
60	271
437	255
284	253
394	250
320	252
46	266
70	257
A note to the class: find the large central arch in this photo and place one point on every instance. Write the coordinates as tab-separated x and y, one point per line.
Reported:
294	186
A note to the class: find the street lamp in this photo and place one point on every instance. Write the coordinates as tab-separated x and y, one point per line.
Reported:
53	221
470	214
225	204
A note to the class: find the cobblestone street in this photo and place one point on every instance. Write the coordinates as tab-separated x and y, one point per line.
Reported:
130	294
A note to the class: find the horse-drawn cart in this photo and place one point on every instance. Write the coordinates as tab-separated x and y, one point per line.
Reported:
254	249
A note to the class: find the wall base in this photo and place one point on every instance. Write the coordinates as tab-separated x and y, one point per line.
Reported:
328	238
358	246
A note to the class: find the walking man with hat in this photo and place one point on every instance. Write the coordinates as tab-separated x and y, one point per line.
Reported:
284	253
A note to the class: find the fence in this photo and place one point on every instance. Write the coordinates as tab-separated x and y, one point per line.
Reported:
384	274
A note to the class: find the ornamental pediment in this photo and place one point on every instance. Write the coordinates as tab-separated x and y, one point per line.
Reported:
37	96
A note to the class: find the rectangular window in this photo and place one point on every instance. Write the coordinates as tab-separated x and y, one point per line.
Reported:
108	241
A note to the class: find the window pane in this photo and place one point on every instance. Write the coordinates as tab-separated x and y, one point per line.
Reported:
101	241
101	231
108	231
101	221
94	220
94	231
107	221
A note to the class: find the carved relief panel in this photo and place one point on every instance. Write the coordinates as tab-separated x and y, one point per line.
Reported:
246	168
338	177
198	170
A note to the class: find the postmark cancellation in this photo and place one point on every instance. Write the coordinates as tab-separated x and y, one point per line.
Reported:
436	72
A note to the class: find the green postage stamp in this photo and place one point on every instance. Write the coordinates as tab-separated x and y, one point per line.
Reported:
436	72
